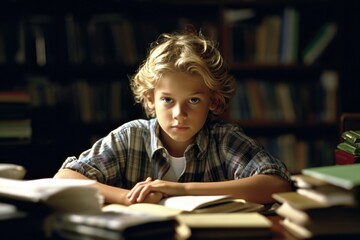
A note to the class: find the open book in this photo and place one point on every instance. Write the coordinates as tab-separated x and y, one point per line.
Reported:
62	195
206	217
176	205
209	204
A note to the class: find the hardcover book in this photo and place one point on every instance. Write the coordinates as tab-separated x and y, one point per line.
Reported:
343	157
207	223
345	176
59	195
318	44
324	192
347	147
308	216
113	226
330	195
305	217
352	137
226	225
322	231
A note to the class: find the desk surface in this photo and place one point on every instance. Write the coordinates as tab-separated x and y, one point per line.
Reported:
33	229
278	230
279	233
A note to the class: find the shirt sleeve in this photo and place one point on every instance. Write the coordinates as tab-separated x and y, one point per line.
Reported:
248	158
100	162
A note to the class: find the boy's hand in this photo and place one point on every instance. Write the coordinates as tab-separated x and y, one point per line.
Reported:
142	190
149	197
153	197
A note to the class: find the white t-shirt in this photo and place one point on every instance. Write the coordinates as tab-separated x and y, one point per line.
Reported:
177	167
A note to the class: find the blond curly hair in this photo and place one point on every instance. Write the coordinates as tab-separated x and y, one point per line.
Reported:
190	53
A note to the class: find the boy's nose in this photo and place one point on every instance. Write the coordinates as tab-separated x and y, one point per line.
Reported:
179	112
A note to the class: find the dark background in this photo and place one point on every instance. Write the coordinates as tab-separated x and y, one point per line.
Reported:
57	130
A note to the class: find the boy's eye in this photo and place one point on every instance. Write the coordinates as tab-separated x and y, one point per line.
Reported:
166	100
194	100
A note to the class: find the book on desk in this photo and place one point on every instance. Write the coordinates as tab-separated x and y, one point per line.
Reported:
74	209
176	205
52	195
207	217
164	220
348	151
325	203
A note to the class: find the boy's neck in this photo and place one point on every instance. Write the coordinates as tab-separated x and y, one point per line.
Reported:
174	148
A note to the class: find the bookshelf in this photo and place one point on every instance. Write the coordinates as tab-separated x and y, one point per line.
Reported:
289	75
74	57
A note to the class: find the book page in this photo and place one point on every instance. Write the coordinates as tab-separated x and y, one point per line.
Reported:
38	189
190	203
225	220
141	208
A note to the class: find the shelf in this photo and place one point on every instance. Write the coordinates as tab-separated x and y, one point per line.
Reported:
61	125
282	72
296	68
285	124
64	70
305	130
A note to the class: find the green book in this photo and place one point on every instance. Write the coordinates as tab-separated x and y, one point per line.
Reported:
352	137
347	147
319	42
345	176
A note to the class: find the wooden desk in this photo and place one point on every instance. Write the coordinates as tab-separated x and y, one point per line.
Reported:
281	234
32	227
278	229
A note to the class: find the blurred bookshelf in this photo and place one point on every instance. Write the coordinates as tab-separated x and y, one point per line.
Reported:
293	61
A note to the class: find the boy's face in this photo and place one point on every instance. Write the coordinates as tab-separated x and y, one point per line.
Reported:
181	102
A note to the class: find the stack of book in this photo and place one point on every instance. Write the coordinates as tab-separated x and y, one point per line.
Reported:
348	151
15	122
113	226
325	203
207	217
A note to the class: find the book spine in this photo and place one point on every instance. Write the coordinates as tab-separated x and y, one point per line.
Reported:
352	137
345	146
344	158
319	43
289	36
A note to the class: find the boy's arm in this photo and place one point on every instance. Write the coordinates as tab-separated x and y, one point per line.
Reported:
257	188
112	194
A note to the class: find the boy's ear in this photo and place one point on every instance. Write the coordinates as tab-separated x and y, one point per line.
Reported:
214	104
149	98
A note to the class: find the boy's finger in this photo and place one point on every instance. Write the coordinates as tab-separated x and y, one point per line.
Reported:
143	193
138	185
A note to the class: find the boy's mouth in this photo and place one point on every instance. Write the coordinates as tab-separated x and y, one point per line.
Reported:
180	127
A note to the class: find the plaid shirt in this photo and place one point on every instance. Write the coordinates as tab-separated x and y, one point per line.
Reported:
133	152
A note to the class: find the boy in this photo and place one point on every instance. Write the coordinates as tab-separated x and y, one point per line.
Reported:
183	149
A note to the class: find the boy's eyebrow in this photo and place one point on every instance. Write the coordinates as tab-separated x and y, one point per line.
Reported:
197	92
191	93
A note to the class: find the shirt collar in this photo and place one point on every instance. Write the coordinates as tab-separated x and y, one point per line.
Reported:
155	141
202	138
